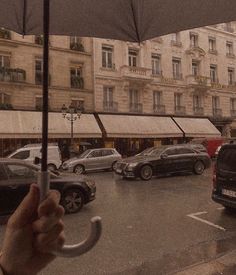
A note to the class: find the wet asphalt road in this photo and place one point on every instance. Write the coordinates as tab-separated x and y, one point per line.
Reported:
148	227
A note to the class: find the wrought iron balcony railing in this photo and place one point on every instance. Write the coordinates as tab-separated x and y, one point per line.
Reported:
12	75
180	110
159	109
77	82
136	107
110	106
77	47
198	111
5	34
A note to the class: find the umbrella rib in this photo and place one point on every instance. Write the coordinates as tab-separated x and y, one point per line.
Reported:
135	21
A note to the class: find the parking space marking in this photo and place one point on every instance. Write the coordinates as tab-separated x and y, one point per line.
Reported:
195	217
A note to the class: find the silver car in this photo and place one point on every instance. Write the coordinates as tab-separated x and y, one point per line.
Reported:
92	159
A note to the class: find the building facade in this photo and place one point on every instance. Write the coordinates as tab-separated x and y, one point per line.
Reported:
190	74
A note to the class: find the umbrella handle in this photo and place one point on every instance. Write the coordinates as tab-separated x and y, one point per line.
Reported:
95	228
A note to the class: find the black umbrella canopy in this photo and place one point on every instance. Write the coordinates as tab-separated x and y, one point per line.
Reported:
128	20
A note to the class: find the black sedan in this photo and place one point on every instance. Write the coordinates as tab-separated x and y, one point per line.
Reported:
16	177
163	160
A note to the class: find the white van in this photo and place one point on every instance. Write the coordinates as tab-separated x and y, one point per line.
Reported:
31	151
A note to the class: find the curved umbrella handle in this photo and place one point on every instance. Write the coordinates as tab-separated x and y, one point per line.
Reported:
95	231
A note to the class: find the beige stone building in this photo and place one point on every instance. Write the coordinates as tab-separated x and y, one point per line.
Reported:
191	73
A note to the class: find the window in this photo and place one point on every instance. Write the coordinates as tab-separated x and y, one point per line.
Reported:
20	172
212	44
76	43
157	98
156	64
95	154
175	37
230	76
38	71
5	98
21	155
76	78
78	104
233	104
213	73
134	96
108	94
197	101
176	66
107	57
182	151
215	102
170	152
228	27
133	58
229	48
195	68
193	40
38	39
38	103
178	99
5	61
107	153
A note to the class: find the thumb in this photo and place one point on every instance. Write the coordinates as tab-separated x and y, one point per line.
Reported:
25	212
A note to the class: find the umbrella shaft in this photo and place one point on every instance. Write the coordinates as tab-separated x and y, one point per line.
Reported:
46	11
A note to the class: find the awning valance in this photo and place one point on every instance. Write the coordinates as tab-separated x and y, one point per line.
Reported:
197	127
24	124
128	126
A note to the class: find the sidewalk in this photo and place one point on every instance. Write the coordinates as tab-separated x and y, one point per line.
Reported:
225	265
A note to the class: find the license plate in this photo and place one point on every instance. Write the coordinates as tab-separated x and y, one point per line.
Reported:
229	193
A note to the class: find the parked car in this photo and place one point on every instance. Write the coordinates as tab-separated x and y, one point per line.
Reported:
91	160
31	151
163	160
224	177
210	144
17	175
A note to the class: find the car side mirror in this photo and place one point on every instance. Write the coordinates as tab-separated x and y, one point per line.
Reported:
164	156
37	160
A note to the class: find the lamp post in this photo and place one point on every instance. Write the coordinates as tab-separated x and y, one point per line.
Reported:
71	113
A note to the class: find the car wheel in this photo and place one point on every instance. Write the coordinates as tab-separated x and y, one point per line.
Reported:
52	167
72	201
113	166
146	172
199	167
79	169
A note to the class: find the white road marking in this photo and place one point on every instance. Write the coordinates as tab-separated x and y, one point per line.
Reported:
194	216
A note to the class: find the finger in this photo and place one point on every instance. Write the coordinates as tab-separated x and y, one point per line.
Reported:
46	223
26	210
49	205
54	245
43	239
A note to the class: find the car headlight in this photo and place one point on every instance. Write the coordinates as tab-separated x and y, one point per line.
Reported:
132	165
91	183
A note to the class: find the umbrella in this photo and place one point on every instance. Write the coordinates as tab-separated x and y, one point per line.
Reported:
128	20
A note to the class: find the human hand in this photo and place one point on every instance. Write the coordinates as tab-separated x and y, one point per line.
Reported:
33	232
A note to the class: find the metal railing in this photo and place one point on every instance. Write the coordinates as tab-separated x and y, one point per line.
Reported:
110	106
12	75
217	112
5	34
198	110
159	109
77	82
136	107
180	110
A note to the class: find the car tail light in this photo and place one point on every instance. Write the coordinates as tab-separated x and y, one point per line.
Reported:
214	177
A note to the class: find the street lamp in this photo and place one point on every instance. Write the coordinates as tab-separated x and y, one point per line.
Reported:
71	113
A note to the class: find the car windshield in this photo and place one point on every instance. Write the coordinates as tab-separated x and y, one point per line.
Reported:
227	160
84	153
157	151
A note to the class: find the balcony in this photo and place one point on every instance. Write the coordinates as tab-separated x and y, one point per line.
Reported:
233	113
159	109
199	111
217	112
198	80
12	75
178	76
136	107
176	43
136	73
180	110
213	51
77	47
230	55
77	82
5	34
110	106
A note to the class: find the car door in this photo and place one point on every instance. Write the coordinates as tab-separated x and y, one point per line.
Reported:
5	192
107	158
20	176
94	160
185	159
168	160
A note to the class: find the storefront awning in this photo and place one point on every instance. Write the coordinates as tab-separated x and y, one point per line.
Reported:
127	126
24	124
197	127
